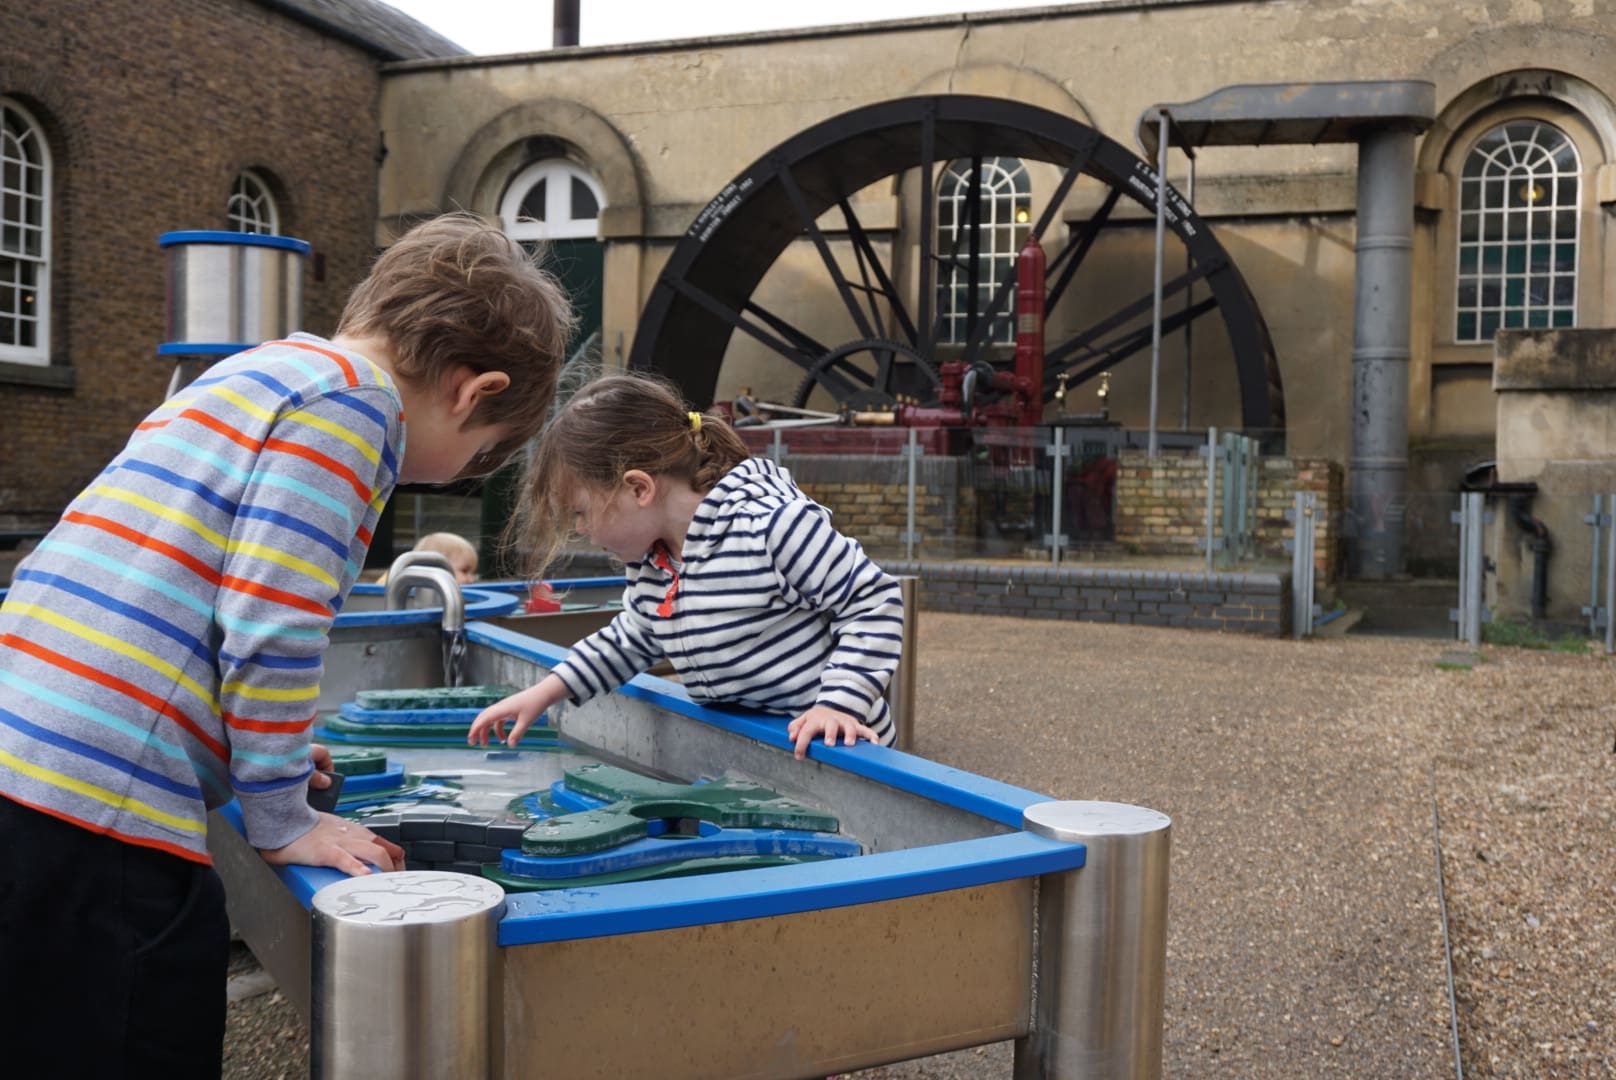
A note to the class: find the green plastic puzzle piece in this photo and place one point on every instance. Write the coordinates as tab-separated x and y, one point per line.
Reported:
435	697
636	800
357	760
437	736
343	726
680	868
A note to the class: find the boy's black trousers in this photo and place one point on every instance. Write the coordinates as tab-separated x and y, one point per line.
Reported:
112	956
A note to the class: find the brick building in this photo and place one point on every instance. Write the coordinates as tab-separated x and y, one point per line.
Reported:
123	120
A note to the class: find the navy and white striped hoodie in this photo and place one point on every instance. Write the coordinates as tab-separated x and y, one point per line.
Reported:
769	607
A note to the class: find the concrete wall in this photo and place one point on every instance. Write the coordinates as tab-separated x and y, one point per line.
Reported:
151	112
1556	401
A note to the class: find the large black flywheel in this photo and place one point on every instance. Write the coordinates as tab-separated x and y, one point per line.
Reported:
805	189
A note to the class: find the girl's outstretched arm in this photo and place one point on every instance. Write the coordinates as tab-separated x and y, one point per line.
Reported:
522	708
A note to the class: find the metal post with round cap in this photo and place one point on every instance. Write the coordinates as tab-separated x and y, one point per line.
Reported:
406	977
1102	946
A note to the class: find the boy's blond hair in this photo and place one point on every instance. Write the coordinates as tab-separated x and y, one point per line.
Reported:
456	290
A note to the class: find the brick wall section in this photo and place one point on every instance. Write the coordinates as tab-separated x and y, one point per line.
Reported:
868	496
1161	506
151	111
1238	603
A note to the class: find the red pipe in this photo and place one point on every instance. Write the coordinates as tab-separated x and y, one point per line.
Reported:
1029	382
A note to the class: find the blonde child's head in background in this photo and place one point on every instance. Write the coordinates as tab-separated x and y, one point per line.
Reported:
460	552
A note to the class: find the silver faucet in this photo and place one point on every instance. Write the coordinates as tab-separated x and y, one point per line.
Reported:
401	580
416	558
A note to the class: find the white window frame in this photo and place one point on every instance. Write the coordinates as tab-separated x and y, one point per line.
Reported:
1520	192
558	224
251	207
1006	189
25	145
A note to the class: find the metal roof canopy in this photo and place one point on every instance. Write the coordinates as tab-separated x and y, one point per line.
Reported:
1273	114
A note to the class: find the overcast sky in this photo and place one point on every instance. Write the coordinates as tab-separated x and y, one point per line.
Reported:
490	27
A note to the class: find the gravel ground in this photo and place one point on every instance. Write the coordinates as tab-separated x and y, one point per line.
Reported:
1305	781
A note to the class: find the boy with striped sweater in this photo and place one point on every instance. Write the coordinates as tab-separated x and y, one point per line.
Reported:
734	575
160	650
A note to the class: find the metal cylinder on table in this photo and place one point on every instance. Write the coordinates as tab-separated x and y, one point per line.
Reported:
228	291
1102	946
232	288
405	977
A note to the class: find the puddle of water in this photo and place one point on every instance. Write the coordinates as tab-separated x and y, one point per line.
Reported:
489	779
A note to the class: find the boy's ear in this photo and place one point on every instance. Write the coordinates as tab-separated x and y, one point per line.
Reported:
470	387
641	484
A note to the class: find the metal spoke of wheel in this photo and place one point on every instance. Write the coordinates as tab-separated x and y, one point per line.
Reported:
973	263
1072	255
928	230
828	257
808	345
867	254
1057	356
740	322
1110	354
844	380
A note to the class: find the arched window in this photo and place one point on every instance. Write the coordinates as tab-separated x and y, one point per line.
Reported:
252	208
25	184
551	200
1519	194
1003	207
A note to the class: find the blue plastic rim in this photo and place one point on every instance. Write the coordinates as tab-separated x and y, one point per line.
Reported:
479	604
203	348
238	239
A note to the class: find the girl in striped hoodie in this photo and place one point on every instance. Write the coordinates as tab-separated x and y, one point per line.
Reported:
734	575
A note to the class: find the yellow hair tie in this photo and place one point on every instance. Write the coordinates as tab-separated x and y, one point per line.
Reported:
695	421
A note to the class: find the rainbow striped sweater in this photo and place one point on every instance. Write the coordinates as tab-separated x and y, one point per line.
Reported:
160	650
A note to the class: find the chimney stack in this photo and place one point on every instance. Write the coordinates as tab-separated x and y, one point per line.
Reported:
565	27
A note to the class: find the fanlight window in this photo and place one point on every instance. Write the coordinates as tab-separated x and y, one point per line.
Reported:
252	208
551	200
25	181
1518	231
1003	195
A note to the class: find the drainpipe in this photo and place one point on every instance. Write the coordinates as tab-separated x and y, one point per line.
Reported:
1380	350
1520	509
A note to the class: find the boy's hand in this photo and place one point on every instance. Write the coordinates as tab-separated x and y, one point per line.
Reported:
525	708
833	723
320	756
341	845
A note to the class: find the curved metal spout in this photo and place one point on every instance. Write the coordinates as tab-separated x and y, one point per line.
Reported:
417	558
429	577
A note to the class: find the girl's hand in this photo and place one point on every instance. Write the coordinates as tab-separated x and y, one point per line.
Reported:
524	708
342	845
833	723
